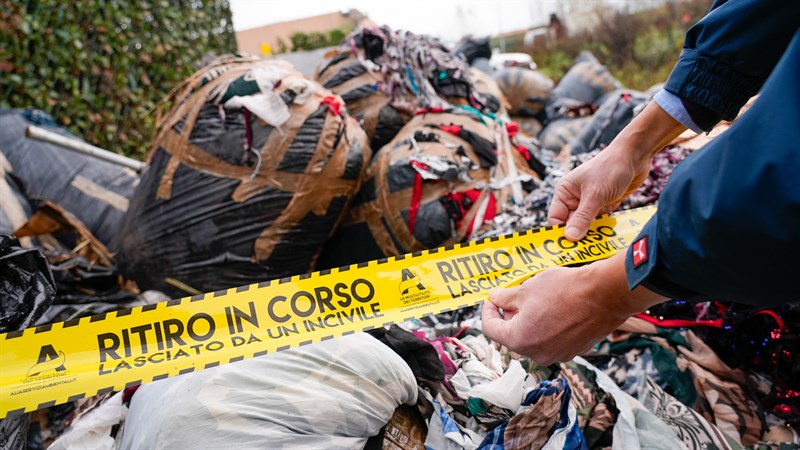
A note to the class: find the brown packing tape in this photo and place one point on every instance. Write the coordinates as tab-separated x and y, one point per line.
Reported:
307	195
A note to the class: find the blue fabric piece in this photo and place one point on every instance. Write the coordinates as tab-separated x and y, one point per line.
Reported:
448	424
731	51
575	439
673	106
495	439
728	220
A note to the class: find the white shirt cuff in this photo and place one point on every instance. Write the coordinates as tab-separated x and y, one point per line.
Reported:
672	104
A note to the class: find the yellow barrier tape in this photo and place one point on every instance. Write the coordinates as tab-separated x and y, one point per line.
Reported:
52	364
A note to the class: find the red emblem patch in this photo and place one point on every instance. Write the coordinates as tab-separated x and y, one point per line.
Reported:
640	251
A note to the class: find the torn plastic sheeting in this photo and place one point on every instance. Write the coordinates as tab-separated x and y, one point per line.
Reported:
26	290
229	200
96	191
26	285
84	270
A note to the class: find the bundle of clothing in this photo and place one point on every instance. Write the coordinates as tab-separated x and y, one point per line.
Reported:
443	178
252	168
385	75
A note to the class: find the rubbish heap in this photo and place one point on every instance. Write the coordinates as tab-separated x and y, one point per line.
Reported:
257	173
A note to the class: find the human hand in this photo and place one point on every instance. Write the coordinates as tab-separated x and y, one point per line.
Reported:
595	187
599	185
563	312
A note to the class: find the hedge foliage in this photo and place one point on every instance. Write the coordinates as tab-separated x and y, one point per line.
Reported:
99	67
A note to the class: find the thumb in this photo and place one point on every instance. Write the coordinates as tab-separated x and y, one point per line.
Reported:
505	298
578	223
494	326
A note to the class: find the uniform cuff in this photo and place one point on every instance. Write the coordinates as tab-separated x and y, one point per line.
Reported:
711	84
642	267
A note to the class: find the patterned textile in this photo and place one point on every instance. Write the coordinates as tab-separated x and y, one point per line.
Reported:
550	421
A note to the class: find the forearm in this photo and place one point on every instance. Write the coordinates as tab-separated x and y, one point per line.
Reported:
647	133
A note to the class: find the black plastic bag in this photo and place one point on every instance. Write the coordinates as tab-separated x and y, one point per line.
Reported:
26	290
586	81
613	115
26	285
97	192
473	48
229	199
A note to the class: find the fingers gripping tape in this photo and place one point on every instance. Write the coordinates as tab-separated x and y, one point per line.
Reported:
57	363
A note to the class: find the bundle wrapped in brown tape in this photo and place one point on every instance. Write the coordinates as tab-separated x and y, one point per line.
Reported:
381	118
561	131
250	172
586	81
441	178
486	87
385	75
527	91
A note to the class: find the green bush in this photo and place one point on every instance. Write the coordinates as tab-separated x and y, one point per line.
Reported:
310	41
639	49
99	67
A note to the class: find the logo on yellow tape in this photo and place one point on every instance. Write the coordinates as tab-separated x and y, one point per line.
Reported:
57	363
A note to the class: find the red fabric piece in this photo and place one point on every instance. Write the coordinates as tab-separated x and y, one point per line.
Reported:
512	128
127	394
421	111
491	208
416	196
524	152
452	129
333	105
678	323
472	195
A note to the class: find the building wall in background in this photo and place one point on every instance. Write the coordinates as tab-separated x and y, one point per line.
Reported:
253	40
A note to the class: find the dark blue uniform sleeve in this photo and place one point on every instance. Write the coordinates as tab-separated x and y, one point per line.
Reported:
729	54
728	220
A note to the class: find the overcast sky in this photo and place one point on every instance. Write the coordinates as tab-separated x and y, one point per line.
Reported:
447	19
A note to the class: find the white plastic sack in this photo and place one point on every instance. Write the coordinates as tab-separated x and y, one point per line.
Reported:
334	394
